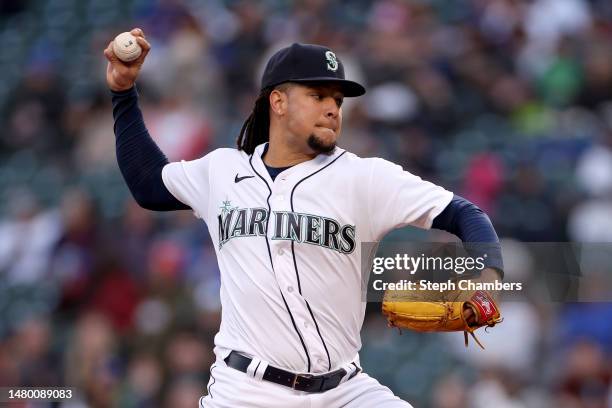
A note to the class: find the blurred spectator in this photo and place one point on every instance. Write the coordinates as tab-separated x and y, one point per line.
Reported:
590	220
27	239
116	294
74	256
92	360
585	379
184	393
451	391
483	181
143	381
594	168
137	233
30	348
188	356
179	130
35	113
498	389
94	144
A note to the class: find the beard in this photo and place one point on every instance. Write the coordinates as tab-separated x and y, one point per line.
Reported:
319	146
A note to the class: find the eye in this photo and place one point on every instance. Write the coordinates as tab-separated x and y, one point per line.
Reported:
317	96
339	101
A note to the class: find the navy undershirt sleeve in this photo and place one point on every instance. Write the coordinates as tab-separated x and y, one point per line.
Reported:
140	160
468	222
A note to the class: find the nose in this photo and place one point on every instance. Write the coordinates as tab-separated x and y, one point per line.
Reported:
331	108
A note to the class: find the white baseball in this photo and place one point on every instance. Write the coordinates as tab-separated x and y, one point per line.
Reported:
126	48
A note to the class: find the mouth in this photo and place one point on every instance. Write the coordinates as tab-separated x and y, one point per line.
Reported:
330	129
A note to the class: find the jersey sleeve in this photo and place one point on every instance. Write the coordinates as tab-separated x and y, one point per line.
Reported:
399	198
189	182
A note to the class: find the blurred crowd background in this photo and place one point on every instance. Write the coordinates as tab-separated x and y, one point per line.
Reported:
506	102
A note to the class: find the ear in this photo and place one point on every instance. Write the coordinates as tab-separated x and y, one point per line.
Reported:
278	102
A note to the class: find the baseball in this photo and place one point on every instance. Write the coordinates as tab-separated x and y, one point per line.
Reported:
126	48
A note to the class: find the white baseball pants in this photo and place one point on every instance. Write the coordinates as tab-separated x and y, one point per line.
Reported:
230	388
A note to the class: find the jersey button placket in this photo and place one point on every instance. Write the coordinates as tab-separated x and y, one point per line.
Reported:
286	276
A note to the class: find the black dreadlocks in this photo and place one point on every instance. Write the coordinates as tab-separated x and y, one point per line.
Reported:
256	128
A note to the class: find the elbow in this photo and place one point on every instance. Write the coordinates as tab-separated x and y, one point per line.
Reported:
157	200
145	195
145	189
144	201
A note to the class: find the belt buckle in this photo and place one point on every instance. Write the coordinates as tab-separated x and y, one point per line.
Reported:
297	376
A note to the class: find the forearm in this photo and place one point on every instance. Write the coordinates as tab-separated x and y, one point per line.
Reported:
140	159
468	222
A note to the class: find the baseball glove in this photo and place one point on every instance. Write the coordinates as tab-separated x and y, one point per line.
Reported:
433	311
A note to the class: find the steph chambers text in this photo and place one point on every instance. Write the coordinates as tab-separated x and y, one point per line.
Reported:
448	285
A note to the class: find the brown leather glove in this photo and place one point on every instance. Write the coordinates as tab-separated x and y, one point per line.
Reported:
432	311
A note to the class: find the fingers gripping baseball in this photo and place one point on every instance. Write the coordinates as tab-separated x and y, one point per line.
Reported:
122	75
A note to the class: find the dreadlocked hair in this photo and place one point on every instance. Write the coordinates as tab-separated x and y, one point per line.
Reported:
256	128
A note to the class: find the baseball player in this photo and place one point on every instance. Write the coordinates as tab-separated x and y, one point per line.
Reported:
287	210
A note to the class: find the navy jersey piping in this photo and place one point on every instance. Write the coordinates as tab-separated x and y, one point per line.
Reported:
213	382
295	262
272	263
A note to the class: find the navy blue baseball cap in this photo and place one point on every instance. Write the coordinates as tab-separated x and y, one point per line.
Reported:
308	63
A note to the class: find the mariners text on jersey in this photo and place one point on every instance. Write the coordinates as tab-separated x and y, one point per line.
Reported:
306	228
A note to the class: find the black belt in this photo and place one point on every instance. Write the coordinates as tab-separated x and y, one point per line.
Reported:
299	382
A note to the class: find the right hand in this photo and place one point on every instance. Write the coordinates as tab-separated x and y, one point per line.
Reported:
121	76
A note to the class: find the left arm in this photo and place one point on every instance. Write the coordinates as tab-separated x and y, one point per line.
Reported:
396	198
468	222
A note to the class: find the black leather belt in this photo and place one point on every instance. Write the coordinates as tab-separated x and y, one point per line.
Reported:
299	382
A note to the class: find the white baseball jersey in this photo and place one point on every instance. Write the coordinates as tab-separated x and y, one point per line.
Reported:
289	250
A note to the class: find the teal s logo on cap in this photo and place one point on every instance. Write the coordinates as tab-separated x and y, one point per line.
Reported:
332	62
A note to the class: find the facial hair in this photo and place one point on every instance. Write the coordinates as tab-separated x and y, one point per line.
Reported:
319	146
